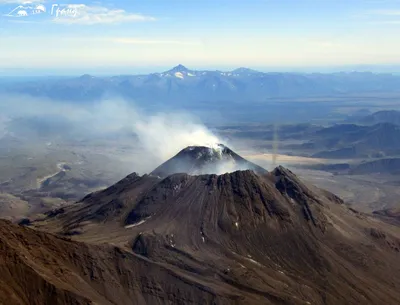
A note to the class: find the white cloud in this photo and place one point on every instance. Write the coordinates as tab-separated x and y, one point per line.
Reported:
371	45
128	40
20	1
325	44
384	16
89	15
23	21
385	12
388	22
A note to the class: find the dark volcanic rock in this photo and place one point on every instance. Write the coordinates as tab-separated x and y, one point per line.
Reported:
25	222
237	238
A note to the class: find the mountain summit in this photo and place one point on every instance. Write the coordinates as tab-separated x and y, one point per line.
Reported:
179	68
197	160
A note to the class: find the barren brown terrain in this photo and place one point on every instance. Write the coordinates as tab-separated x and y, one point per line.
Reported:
236	238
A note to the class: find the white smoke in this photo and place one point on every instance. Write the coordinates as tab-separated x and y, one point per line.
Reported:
160	136
165	134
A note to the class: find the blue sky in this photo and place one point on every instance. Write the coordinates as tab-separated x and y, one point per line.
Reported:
150	35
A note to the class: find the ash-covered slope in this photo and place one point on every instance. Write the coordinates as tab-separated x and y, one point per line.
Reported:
197	160
38	268
242	237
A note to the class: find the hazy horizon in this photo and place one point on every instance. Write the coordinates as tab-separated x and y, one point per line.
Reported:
110	37
111	71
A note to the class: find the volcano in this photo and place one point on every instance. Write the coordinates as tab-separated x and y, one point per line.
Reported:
197	160
181	236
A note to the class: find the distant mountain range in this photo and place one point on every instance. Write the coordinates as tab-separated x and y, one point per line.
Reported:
338	141
390	166
384	116
354	141
181	84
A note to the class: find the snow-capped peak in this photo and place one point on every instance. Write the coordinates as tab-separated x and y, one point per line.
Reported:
179	75
179	71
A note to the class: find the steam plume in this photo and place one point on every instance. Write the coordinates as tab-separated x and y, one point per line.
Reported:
160	135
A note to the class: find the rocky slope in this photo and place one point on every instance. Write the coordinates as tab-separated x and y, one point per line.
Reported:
39	268
236	238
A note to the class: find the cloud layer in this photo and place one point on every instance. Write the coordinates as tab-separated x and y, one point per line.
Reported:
89	15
